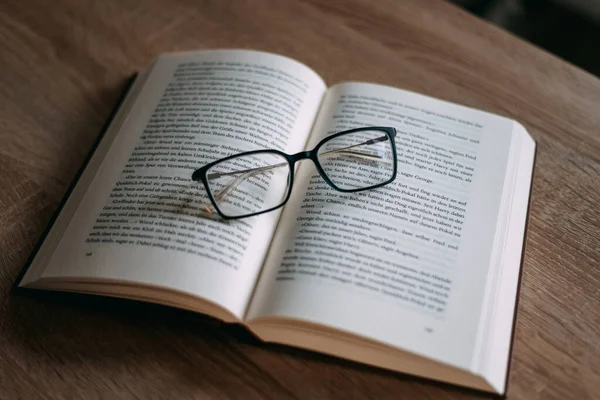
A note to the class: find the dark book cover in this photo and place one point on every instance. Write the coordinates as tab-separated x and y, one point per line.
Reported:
126	87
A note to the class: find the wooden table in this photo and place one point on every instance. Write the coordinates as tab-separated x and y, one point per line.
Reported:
62	67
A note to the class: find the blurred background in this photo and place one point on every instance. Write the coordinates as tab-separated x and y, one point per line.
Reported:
569	29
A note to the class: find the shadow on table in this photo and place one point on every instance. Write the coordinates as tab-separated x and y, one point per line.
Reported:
102	334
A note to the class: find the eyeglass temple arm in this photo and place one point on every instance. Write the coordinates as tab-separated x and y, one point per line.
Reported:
224	191
332	152
254	171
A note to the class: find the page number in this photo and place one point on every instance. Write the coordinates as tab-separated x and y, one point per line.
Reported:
88	254
428	329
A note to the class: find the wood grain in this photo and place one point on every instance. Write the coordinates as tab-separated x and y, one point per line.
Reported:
63	64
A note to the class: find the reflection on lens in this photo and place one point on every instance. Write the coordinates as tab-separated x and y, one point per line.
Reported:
249	184
358	160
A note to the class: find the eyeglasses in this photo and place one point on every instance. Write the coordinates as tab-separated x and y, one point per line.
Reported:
256	182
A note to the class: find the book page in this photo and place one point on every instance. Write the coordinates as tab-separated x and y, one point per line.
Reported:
140	220
405	264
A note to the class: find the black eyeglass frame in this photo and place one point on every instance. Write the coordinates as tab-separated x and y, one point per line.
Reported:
200	175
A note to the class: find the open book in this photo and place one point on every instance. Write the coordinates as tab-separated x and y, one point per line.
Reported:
418	276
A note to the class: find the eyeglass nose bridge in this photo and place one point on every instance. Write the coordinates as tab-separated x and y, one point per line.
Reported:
303	155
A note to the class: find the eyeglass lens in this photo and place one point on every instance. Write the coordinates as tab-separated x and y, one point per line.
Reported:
249	183
357	160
